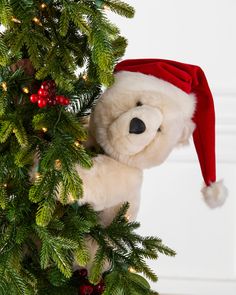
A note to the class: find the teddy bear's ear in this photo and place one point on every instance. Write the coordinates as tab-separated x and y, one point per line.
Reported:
187	132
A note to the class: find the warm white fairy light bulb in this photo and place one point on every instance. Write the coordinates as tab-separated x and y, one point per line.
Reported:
4	86
16	20
43	5
37	21
131	269
25	90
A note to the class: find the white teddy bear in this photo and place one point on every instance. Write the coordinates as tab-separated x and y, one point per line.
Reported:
153	106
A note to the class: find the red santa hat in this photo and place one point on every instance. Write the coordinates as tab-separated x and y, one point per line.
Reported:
190	79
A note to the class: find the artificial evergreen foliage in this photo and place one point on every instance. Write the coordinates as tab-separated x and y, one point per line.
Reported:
41	232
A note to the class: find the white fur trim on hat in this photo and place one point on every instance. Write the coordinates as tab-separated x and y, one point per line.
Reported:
138	82
215	194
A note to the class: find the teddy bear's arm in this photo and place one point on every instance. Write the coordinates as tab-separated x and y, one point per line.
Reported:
110	183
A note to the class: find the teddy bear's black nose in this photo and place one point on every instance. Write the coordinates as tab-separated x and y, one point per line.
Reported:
136	126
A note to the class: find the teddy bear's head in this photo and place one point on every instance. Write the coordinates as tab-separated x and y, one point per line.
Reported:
140	119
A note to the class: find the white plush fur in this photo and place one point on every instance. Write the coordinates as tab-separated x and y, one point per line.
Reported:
116	177
215	194
109	184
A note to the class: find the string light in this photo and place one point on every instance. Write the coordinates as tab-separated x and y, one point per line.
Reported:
16	20
85	77
131	269
37	21
77	144
44	129
5	185
37	175
25	90
57	164
4	86
43	5
105	7
127	217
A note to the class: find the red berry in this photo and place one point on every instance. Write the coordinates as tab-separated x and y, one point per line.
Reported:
34	98
100	288
52	84
66	101
53	91
45	85
43	92
60	99
86	290
42	102
83	272
52	94
50	102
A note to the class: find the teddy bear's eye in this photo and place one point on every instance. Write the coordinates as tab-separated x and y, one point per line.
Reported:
139	104
159	129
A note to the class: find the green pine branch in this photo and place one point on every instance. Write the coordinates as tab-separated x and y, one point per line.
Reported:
44	229
121	245
50	49
5	12
120	8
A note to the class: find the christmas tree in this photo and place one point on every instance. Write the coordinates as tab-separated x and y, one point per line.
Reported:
55	56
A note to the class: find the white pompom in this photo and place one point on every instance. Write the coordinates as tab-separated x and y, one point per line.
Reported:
215	194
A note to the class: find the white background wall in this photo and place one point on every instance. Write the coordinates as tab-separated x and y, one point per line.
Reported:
200	32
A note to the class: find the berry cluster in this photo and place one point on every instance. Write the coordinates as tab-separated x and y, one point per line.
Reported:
80	280
47	95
